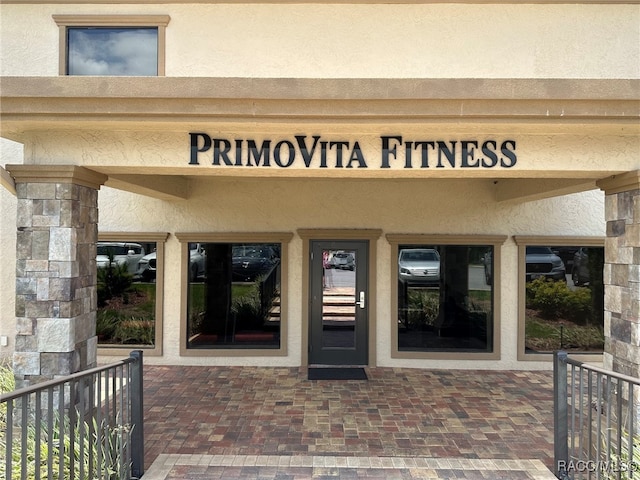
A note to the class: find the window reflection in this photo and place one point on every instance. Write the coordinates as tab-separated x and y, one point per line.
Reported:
234	295
564	306
339	299
445	299
126	313
112	51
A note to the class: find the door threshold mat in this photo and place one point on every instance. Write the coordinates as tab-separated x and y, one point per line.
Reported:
337	374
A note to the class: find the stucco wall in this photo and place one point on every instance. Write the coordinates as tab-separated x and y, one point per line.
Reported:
334	41
544	153
395	206
220	203
449	40
10	152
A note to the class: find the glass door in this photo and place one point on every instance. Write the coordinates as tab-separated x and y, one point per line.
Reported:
339	305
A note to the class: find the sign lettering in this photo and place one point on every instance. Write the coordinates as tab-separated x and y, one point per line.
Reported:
317	152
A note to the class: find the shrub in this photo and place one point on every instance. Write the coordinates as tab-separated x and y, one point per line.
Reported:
578	305
247	308
113	326
423	308
135	331
106	323
555	300
7	384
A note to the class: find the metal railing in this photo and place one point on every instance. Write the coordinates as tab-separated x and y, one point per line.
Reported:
596	416
88	425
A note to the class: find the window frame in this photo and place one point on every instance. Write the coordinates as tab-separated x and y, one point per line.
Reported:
496	241
114	21
284	238
159	239
522	241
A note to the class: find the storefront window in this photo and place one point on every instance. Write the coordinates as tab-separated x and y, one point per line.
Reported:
445	298
128	291
564	298
234	295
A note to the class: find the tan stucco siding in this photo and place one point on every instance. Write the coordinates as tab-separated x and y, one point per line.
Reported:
365	41
10	152
543	155
395	206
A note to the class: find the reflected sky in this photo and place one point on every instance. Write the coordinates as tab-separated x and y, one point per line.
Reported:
113	51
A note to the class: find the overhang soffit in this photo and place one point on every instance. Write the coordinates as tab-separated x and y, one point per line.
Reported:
163	187
506	190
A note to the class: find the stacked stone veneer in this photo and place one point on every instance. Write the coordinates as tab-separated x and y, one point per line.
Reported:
622	274
56	298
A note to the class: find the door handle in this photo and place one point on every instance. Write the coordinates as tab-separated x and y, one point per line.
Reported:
361	301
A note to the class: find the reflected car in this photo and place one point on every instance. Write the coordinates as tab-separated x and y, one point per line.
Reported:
343	261
580	272
147	265
252	261
540	261
121	253
543	263
419	266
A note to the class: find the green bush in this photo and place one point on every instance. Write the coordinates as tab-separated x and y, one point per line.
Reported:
556	300
578	305
246	308
423	307
7	384
116	327
135	331
106	323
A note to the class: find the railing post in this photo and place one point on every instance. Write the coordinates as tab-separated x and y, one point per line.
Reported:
137	415
560	419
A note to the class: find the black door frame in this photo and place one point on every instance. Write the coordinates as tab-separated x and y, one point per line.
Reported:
336	354
307	235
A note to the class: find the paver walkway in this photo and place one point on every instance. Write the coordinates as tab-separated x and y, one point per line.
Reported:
273	423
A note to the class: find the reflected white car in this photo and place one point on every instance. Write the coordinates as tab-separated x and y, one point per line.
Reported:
419	266
121	253
540	262
147	265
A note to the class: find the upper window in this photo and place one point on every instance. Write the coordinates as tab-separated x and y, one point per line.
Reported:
112	45
112	51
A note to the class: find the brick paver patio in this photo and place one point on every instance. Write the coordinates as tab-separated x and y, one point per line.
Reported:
272	423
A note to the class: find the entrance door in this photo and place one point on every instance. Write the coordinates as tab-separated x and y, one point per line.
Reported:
339	303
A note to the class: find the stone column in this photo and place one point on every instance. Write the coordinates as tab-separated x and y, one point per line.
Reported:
622	273
56	299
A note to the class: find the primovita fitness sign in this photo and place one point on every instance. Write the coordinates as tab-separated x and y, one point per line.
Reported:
304	151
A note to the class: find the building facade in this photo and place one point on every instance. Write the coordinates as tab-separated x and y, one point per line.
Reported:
311	183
